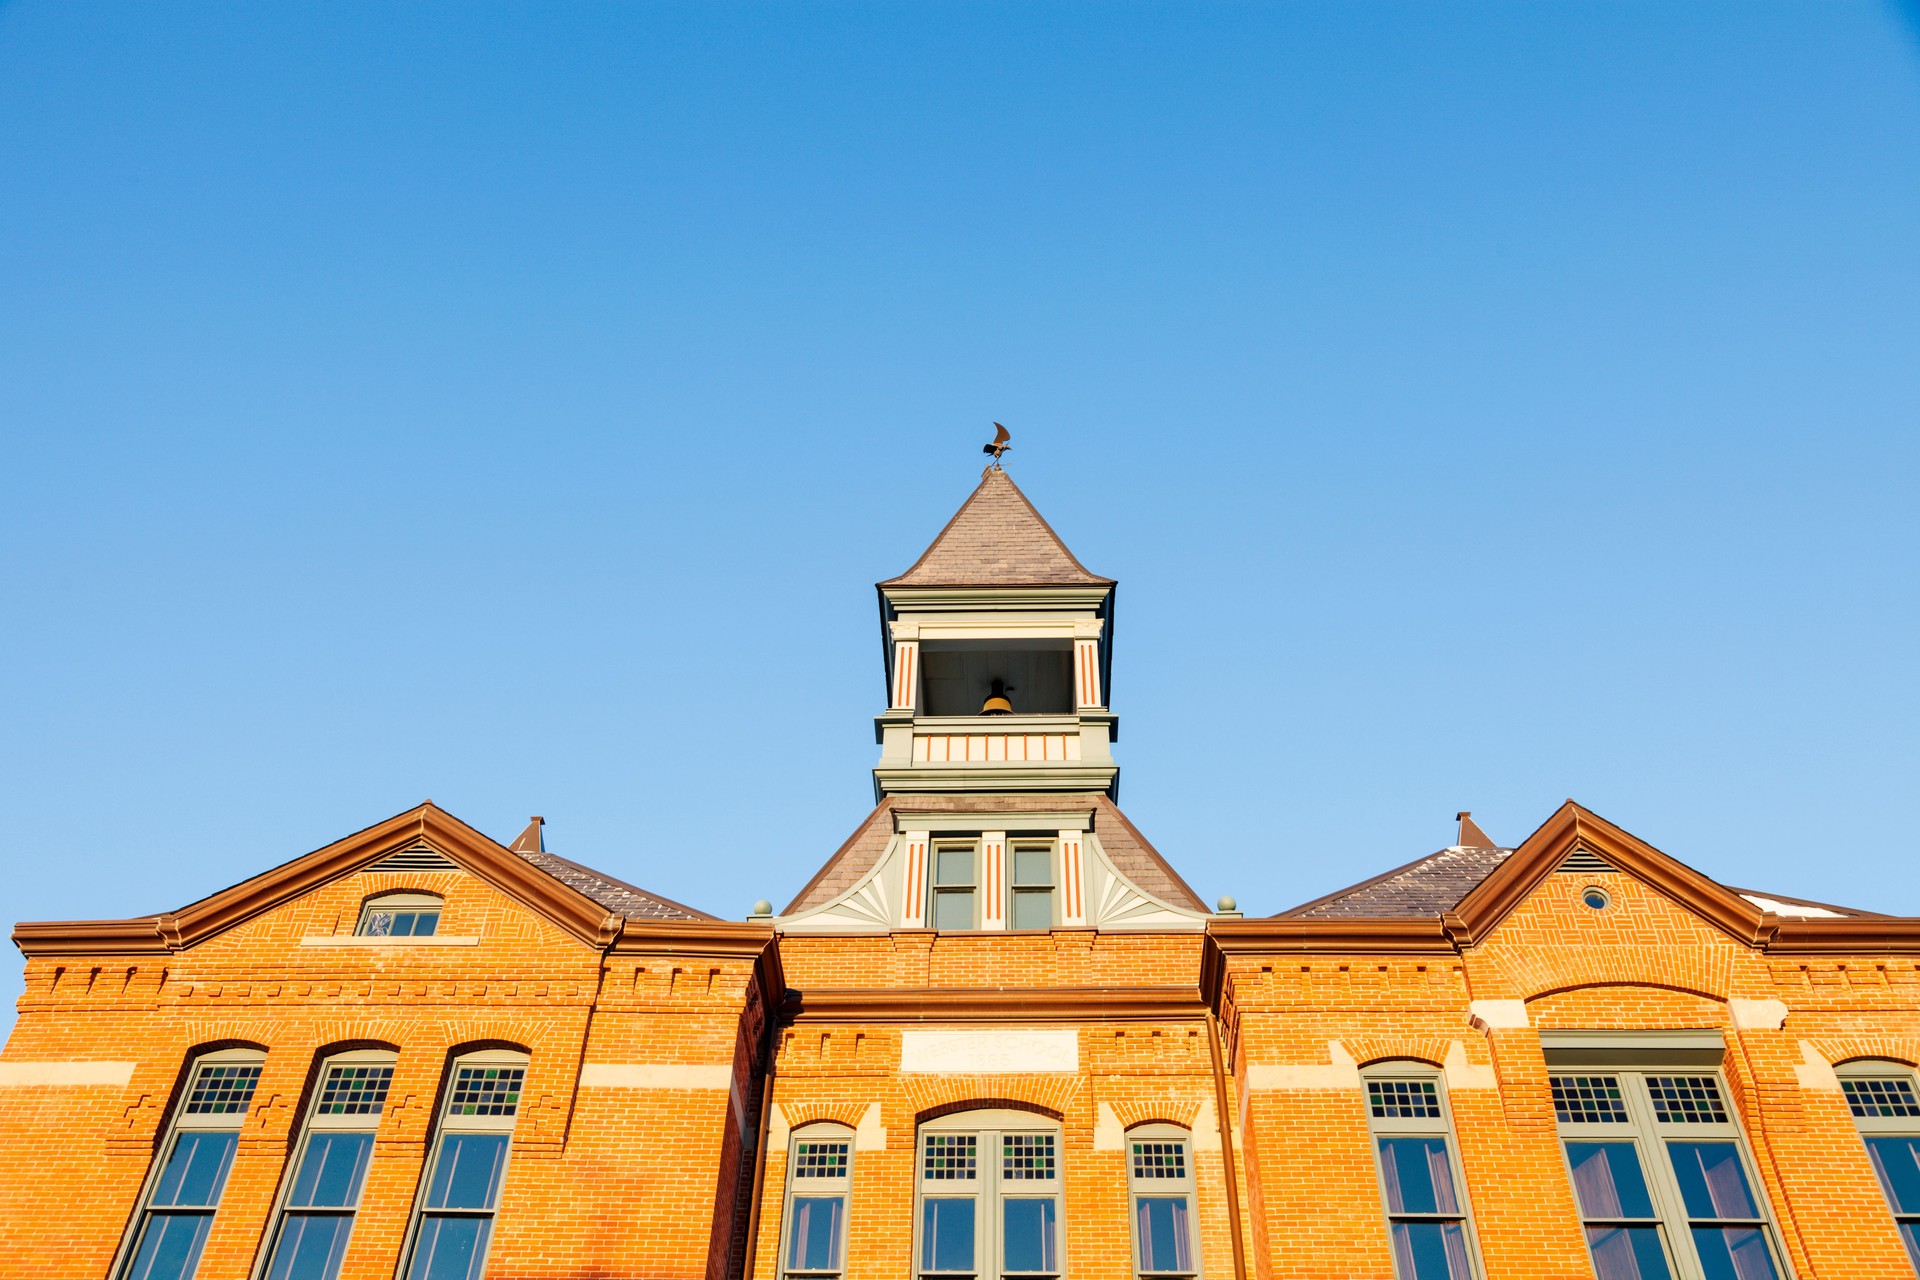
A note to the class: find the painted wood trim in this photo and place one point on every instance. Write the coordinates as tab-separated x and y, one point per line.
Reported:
913	905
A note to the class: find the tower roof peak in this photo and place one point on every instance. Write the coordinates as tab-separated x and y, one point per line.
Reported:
995	539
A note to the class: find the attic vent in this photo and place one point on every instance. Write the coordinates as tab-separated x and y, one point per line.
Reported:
1585	861
419	858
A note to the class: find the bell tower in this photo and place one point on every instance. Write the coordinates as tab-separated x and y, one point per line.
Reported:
998	659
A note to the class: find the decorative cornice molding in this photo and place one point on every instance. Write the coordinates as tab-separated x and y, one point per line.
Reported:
1848	936
994	1004
1420	935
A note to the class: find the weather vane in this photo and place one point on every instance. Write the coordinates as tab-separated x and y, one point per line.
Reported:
999	446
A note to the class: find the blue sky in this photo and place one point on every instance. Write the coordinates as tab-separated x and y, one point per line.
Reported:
1480	405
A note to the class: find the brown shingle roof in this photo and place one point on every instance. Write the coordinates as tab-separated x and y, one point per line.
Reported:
616	896
1126	848
996	538
1424	887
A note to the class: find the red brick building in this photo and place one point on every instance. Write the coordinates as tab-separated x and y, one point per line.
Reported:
996	1035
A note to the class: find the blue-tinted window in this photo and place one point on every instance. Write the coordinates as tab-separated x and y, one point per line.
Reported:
817	1233
1028	1235
1165	1235
947	1234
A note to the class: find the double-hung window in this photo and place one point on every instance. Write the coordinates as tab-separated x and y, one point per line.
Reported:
1886	1109
1420	1185
183	1191
318	1203
1160	1182
454	1211
989	1193
1031	884
956	895
819	1179
1662	1178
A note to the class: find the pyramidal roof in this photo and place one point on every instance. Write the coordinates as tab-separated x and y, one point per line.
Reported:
995	539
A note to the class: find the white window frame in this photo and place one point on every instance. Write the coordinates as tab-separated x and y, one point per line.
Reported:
935	889
990	1189
1420	1083
814	1186
182	1123
453	1125
1650	1138
1161	1187
409	900
316	1122
1017	845
1906	1220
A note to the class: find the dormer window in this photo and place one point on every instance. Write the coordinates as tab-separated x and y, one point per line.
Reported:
400	915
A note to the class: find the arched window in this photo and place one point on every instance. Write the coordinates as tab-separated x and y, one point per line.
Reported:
1420	1184
183	1189
317	1204
1884	1098
819	1178
400	915
989	1197
454	1209
1160	1181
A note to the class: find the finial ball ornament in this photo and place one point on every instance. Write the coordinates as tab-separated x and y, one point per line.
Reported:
763	908
1226	904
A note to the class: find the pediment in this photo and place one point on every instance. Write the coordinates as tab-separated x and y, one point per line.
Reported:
424	838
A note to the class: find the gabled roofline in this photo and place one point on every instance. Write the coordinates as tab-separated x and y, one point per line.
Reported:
1092	578
474	852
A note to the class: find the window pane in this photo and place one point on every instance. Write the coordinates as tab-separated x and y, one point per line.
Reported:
1881	1098
1897	1161
1734	1253
1686	1100
425	923
196	1171
1033	909
953	909
814	1243
1431	1251
1161	1223
1910	1232
378	924
1403	1099
1588	1100
953	866
951	1156
354	1091
946	1235
224	1089
467	1175
820	1159
1033	866
1711	1180
1418	1176
331	1171
1028	1228
1159	1159
310	1246
1608	1181
486	1091
169	1246
450	1249
1026	1156
1627	1253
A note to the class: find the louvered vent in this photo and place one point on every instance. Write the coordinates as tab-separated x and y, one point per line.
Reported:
1585	861
418	858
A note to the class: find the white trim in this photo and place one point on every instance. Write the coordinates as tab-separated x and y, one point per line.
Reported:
988	1051
24	1075
1498	1015
1340	1072
1757	1015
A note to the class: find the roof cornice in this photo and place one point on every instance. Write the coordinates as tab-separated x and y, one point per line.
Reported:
1335	935
994	1004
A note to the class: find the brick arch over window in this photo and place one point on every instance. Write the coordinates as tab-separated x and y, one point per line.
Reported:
799	1114
1180	1111
1430	1050
1548	965
1627	1005
1054	1095
1839	1050
988	1104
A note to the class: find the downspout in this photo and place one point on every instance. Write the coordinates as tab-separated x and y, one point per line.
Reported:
1226	1146
760	1140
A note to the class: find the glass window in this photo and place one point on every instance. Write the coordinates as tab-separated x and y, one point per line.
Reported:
318	1204
453	1217
184	1186
400	915
1160	1180
819	1178
1886	1109
1661	1178
1032	885
954	892
1426	1205
989	1197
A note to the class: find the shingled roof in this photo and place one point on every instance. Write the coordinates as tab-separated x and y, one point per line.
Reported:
1125	847
616	896
996	538
1424	887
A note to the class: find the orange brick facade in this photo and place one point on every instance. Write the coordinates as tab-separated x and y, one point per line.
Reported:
1241	1035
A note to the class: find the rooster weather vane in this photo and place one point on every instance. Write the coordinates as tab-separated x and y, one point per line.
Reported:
999	446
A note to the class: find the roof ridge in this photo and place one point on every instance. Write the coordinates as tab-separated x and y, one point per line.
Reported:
1029	555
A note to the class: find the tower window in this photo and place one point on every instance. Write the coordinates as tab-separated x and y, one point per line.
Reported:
1032	885
955	886
959	677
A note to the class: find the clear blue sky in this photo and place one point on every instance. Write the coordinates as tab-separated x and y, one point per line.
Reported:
1480	406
